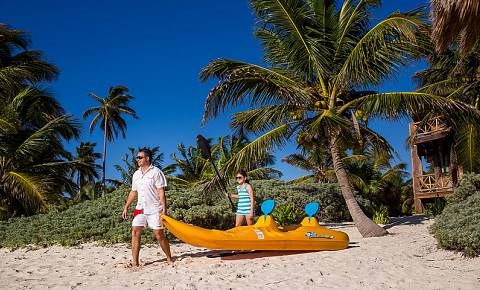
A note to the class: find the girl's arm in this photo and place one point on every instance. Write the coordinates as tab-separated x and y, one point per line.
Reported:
252	201
232	195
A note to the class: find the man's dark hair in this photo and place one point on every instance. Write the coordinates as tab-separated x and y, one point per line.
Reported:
147	152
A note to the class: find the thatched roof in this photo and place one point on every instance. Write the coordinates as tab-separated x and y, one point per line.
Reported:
454	18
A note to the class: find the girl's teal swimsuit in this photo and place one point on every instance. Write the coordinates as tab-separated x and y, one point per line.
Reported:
244	201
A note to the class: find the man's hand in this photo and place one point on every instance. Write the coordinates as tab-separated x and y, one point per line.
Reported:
163	212
125	213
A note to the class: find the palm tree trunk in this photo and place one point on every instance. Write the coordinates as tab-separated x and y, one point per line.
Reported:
104	156
365	226
79	184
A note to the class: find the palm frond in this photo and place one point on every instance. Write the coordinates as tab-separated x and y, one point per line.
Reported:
241	82
401	104
381	50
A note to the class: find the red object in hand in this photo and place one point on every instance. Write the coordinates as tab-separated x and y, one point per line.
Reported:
137	212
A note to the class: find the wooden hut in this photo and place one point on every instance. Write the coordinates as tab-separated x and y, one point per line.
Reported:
433	173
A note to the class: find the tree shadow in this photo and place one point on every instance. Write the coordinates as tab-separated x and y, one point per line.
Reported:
336	226
406	220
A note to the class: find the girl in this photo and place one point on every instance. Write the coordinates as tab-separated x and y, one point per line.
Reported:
245	199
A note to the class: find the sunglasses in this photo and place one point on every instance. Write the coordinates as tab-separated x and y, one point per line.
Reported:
239	177
140	157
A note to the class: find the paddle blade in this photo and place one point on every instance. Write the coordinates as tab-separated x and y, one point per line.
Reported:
267	207
204	147
311	209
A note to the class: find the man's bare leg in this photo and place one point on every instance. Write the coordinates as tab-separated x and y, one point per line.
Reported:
163	244
136	235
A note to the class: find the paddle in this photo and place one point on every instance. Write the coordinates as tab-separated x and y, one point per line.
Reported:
206	153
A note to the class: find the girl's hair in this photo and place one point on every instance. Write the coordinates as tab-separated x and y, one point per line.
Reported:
244	174
147	152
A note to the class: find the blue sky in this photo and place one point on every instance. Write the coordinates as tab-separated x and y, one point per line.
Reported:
156	49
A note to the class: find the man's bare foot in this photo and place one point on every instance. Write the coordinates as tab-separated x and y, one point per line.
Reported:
170	261
131	265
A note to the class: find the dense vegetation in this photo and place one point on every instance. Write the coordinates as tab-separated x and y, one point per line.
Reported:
100	220
458	226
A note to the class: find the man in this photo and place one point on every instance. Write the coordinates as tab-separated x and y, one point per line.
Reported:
149	184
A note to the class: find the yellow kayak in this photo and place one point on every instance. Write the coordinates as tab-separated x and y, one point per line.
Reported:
263	235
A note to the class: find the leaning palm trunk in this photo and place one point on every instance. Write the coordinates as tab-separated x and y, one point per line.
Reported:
365	226
104	157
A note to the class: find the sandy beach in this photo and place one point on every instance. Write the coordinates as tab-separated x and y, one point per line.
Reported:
407	258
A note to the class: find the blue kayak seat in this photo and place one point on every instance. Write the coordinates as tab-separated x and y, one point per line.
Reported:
267	207
311	209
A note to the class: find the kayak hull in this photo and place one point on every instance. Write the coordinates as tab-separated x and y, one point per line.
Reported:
263	235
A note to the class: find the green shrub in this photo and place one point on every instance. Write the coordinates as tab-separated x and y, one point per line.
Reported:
458	226
287	214
100	219
381	216
332	204
435	207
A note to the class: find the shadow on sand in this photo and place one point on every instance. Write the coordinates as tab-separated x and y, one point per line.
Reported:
406	220
229	255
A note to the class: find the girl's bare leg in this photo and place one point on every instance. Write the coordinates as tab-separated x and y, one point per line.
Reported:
238	220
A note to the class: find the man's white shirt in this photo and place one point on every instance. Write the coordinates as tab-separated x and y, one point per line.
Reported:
146	184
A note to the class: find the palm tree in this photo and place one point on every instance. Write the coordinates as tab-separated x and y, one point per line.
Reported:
18	65
110	114
85	165
226	150
33	126
369	171
454	18
33	161
318	162
376	179
319	58
194	169
130	164
456	76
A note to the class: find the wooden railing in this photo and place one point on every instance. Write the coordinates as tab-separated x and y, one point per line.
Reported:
435	125
432	182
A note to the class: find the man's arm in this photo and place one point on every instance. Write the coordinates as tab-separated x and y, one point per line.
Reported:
130	199
163	200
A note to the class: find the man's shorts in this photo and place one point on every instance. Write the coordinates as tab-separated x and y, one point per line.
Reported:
151	220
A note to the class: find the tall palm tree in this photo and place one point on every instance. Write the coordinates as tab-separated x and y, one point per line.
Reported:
130	164
85	165
110	115
319	58
453	19
33	126
33	161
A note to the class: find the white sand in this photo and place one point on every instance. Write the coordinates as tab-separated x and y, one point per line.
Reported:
407	258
